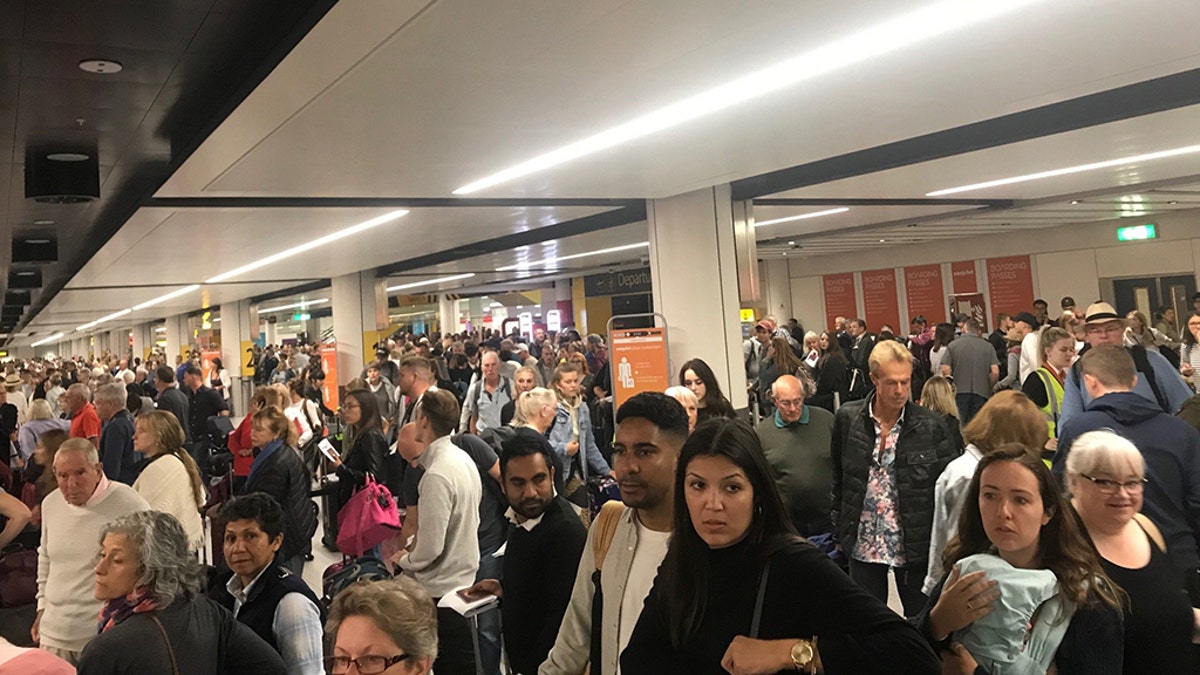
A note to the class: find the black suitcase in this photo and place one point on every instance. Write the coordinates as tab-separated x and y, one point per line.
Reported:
328	492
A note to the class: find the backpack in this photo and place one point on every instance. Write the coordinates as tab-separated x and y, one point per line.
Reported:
338	576
505	386
1141	363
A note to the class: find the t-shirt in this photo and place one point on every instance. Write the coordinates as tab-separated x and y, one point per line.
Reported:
971	358
651	549
85	423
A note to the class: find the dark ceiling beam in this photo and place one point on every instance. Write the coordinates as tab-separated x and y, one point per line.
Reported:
822	201
377	202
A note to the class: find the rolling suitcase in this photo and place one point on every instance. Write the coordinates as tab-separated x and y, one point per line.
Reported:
329	510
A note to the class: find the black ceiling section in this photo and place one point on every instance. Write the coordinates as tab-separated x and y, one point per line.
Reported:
186	65
1134	100
507	242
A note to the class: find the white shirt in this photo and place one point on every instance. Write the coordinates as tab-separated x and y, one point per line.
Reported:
1030	359
651	549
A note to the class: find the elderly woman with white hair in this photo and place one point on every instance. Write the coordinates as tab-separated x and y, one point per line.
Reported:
383	627
1106	477
155	619
41	420
687	398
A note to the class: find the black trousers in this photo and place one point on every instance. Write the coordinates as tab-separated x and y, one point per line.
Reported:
873	579
456	649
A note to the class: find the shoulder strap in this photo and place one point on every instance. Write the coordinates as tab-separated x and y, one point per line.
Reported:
1151	531
758	602
1142	362
605	526
170	650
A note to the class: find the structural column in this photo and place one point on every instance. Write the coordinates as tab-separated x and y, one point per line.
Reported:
235	341
359	313
703	264
143	340
176	337
447	314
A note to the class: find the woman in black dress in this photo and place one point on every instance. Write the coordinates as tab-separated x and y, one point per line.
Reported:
697	376
740	591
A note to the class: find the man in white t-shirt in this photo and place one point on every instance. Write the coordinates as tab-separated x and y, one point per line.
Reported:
651	429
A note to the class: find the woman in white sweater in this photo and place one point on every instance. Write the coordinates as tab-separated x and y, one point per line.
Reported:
170	481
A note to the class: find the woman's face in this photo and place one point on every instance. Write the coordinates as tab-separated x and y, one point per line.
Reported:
1061	354
351	411
823	342
720	500
1135	324
568	385
1194	326
1011	508
359	637
260	435
690	408
144	440
692	381
812	343
1169	316
1103	501
117	569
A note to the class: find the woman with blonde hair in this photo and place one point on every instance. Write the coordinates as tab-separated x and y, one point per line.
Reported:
1008	417
938	395
1044	386
170	481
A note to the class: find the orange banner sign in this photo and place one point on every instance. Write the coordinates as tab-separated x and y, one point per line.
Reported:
329	390
881	303
638	362
839	297
962	274
1010	284
923	288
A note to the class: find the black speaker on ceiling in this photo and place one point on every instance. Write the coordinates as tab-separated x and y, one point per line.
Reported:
34	250
19	298
62	175
25	279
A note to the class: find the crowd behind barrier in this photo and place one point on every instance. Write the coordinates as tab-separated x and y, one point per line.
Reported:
1033	492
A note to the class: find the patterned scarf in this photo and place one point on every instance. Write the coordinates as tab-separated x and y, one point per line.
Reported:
118	609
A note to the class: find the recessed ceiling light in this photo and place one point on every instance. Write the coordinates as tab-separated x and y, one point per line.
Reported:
101	66
43	221
785	254
1066	171
25	274
430	282
302	304
1172	202
803	216
923	24
1076	201
37	241
43	341
547	262
882	240
791	243
67	157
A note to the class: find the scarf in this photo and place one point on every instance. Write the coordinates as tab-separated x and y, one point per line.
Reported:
118	609
266	451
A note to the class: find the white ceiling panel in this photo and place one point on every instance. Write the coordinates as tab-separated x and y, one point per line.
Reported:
857	216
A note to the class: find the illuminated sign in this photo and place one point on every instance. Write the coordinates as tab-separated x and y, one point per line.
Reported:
1137	232
747	316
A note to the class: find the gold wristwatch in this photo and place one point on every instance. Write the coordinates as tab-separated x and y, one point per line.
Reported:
802	655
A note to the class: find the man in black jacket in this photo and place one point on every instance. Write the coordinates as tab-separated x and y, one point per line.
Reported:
276	604
887	454
544	545
863	343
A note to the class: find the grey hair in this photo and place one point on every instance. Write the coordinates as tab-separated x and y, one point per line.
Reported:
80	390
677	392
165	565
1104	450
39	409
112	393
399	607
81	445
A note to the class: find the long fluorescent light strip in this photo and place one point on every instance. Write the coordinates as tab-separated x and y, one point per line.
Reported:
1068	171
52	338
430	282
546	262
308	246
163	298
889	36
803	216
110	317
294	305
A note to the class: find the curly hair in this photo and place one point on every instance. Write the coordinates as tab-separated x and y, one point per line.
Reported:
165	564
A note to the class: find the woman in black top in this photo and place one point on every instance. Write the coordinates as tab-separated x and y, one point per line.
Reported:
697	376
832	377
735	564
365	456
1106	476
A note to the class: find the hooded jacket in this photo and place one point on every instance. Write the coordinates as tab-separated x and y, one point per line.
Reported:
1171	449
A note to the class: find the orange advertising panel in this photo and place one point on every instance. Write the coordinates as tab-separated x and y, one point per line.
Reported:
962	274
207	369
638	362
881	304
1010	284
923	288
329	390
839	297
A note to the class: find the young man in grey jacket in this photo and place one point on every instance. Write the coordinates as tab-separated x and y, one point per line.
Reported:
651	429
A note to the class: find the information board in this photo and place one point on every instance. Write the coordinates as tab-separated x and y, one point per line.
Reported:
881	304
923	289
839	297
1010	284
638	362
962	275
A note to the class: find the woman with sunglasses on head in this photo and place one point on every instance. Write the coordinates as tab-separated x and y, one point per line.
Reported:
740	592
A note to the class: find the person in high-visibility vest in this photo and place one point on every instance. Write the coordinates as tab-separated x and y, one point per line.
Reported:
1044	386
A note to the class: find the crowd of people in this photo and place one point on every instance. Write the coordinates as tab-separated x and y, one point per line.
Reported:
1048	522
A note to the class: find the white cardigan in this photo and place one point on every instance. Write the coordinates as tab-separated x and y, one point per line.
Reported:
165	484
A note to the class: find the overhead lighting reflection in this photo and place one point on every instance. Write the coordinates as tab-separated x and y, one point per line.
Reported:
52	338
548	262
302	304
802	216
431	282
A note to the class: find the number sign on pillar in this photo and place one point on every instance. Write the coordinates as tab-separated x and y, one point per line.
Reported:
923	287
1010	284
881	305
839	297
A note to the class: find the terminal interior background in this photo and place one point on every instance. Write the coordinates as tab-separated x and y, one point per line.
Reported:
209	173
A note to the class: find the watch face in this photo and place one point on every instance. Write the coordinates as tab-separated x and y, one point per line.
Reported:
802	653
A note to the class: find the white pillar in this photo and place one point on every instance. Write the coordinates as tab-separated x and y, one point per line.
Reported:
176	337
359	313
143	340
270	333
777	289
694	254
447	314
235	330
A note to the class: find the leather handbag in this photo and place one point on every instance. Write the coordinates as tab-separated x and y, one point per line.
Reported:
18	576
369	518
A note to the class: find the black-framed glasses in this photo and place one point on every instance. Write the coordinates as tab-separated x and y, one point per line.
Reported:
1108	486
367	664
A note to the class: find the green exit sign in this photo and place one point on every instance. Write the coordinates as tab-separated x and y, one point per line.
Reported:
1137	232
301	316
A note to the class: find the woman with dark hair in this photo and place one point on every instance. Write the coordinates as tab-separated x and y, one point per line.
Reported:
1189	353
781	360
740	591
943	335
364	454
832	379
1018	539
697	376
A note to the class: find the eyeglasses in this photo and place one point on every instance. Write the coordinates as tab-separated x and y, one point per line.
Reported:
1111	486
367	664
789	403
1106	328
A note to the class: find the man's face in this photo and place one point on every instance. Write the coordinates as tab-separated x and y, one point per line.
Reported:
373	375
1107	333
248	549
644	461
105	410
491	366
192	382
1039	310
1006	324
790	401
893	383
529	484
77	479
407	377
854	328
539	335
761	334
524	381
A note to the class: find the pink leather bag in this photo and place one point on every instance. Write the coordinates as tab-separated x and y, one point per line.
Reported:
367	519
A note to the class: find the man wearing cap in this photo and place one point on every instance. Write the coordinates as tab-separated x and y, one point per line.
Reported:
1068	305
1157	379
754	353
1027	325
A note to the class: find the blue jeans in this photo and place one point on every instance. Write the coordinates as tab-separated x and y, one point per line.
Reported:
968	406
490	567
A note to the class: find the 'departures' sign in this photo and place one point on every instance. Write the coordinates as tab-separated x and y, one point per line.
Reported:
617	283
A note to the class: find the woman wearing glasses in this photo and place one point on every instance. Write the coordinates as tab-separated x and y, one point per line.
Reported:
1106	478
382	627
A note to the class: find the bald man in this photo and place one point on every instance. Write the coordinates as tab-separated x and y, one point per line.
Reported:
796	441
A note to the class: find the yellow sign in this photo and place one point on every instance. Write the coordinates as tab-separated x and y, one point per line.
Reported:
748	316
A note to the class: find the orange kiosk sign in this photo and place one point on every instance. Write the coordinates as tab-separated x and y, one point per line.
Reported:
207	369
638	361
329	365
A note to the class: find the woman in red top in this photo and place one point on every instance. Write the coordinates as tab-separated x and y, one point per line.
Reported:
239	441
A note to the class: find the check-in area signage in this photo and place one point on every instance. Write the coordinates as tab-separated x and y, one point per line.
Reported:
638	359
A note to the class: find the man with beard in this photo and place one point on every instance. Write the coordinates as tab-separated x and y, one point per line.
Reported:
544	544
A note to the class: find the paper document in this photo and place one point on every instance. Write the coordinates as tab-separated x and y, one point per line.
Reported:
327	449
467	608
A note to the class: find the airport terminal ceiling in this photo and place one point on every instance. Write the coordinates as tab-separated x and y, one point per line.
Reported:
422	139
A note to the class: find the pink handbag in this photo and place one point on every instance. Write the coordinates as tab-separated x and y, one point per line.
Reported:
367	519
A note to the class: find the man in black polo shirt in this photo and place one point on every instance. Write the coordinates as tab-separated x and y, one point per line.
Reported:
263	595
203	403
545	542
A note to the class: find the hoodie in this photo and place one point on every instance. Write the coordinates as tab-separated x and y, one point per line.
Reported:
1171	449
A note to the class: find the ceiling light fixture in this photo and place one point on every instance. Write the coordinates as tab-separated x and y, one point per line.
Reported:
547	262
302	304
67	157
803	216
308	246
1066	171
110	317
52	338
923	24
101	66
430	282
163	298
